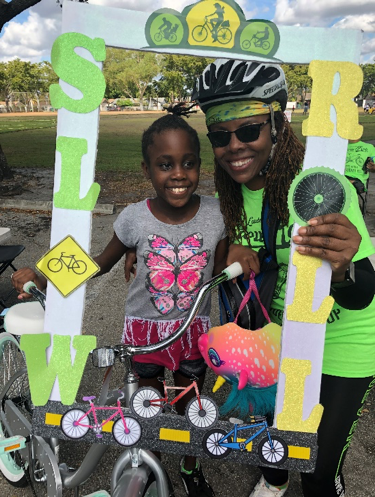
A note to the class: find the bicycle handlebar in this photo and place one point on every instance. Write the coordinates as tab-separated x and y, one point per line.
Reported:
229	273
31	288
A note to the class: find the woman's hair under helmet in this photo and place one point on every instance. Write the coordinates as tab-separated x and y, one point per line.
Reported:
229	80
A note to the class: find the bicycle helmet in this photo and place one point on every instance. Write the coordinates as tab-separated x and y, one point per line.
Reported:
225	80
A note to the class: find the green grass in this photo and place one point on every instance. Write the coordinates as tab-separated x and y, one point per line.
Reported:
31	141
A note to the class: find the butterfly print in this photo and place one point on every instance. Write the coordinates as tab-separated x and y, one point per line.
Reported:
174	266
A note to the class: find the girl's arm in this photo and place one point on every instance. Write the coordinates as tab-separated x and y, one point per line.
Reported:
110	255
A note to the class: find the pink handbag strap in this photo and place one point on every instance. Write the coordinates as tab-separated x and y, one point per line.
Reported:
252	289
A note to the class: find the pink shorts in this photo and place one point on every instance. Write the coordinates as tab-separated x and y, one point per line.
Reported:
138	331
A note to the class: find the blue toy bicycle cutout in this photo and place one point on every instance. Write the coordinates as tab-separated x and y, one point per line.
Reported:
271	449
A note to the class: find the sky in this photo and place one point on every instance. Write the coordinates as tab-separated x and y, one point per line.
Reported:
30	35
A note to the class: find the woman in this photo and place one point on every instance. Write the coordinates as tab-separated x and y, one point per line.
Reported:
257	156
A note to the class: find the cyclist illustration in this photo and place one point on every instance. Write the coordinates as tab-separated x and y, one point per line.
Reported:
216	21
259	40
218	28
166	31
56	264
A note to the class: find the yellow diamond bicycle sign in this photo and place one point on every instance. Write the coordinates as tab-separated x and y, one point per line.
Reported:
67	266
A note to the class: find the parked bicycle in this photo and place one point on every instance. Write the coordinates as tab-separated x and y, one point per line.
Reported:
201	412
69	261
200	32
126	430
135	472
271	449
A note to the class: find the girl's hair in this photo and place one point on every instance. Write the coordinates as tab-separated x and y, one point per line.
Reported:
285	165
172	120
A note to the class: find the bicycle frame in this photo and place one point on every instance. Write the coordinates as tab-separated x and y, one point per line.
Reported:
237	445
185	390
97	426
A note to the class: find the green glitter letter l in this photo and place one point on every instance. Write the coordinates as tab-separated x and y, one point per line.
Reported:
78	72
72	150
42	376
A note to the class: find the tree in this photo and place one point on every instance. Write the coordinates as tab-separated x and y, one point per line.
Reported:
368	87
130	71
297	80
9	10
179	73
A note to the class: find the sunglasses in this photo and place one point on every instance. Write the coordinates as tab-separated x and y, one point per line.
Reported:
246	134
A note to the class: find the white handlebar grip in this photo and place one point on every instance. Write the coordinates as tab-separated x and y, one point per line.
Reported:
27	286
233	270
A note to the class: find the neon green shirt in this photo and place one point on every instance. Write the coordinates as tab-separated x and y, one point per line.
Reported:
350	335
356	157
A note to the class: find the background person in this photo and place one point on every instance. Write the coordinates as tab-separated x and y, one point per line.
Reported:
257	156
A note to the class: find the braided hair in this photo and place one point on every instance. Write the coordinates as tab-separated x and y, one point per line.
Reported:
173	120
286	163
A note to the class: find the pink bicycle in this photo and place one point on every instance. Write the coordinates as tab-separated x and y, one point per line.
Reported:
201	412
75	423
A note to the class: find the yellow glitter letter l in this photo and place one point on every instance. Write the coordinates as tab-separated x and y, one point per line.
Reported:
301	308
319	122
290	419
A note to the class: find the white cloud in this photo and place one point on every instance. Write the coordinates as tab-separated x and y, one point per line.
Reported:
366	22
31	40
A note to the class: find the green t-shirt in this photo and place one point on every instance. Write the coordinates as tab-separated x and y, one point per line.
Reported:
350	335
356	157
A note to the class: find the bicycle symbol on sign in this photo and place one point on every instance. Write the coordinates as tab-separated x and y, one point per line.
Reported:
56	264
259	40
223	35
167	33
271	449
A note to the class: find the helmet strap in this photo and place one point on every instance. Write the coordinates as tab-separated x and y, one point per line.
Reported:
265	169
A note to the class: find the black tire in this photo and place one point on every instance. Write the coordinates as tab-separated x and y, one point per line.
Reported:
210	444
55	265
67	424
140	406
199	33
123	438
79	267
276	455
204	418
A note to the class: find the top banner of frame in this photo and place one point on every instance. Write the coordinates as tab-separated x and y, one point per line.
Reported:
211	28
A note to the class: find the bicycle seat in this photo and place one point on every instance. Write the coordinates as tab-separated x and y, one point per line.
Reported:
235	421
25	318
89	398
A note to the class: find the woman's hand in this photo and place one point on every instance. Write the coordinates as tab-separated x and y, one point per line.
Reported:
22	276
246	256
332	238
130	260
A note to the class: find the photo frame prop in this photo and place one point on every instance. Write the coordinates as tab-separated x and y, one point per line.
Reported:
77	58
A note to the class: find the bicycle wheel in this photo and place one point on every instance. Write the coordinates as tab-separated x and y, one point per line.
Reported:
211	445
12	365
133	435
158	37
246	44
266	45
172	38
199	33
69	425
140	402
316	192
276	455
224	36
55	265
79	267
202	418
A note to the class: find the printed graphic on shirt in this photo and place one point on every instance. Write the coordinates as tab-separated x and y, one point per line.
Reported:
175	271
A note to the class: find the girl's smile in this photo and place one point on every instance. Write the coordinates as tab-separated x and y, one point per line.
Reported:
244	161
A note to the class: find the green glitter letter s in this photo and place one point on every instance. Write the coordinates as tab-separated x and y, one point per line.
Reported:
78	72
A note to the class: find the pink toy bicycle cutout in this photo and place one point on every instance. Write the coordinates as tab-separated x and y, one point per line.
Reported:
201	412
126	430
